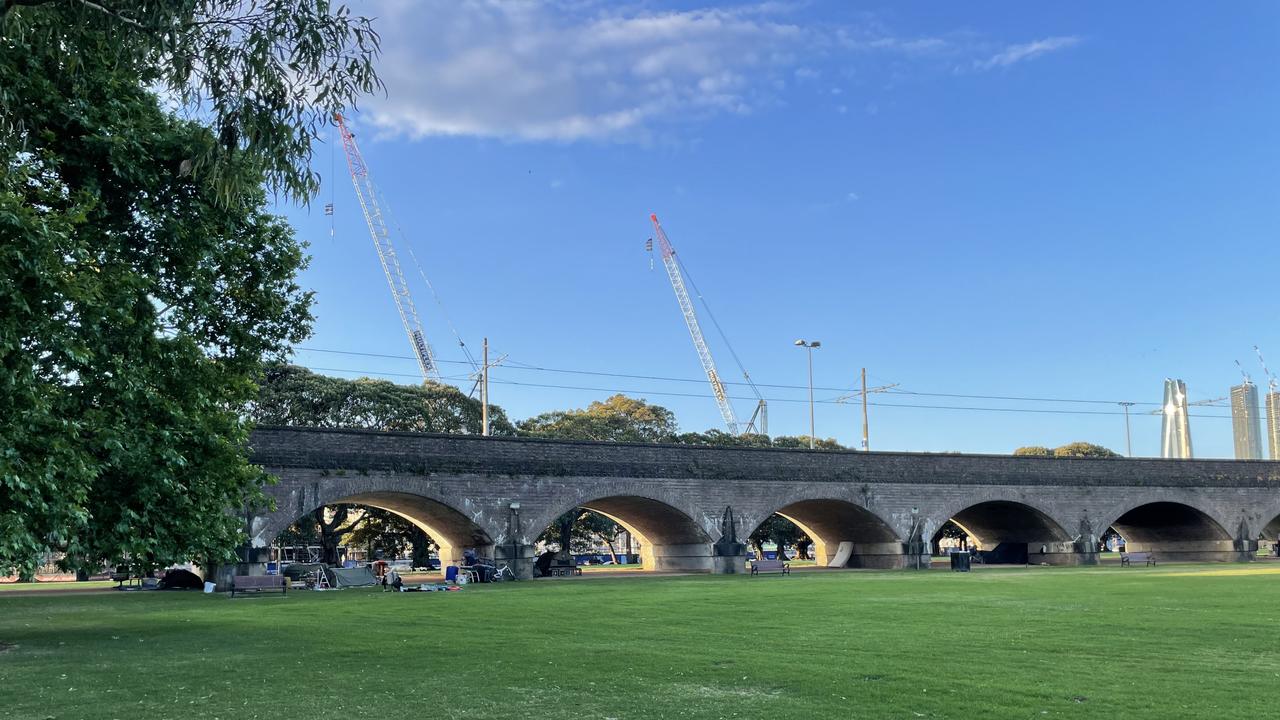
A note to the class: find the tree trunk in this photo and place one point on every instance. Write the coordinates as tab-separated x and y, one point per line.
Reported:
421	548
331	533
612	554
566	534
802	550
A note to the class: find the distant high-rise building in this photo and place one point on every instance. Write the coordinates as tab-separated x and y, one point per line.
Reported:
1273	424
1245	422
1175	430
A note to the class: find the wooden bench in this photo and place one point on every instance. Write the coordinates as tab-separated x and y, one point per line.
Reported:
564	570
1128	559
759	566
120	577
258	584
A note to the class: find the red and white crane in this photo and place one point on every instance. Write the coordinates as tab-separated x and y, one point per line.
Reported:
367	193
672	265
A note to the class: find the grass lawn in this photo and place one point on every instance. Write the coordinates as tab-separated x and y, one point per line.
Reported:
1179	641
15	587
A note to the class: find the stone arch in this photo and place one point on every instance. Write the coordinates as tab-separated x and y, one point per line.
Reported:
1271	529
844	533
1011	531
670	538
1172	530
449	526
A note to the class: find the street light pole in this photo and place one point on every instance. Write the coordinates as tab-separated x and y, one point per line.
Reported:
810	346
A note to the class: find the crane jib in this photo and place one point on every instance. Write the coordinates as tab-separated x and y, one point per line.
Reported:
695	330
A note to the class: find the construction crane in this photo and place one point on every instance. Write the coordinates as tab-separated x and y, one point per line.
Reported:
1247	380
1196	403
1272	382
367	193
760	418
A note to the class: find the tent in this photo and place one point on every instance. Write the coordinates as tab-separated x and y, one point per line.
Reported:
351	577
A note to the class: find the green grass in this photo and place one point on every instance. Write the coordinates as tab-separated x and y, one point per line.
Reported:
1191	641
58	585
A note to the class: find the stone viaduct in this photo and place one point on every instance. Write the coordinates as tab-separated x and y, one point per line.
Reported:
498	494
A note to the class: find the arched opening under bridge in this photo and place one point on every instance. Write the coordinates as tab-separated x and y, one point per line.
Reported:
845	534
1174	532
1010	532
650	533
382	525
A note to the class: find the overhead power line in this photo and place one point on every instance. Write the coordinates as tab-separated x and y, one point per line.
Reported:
831	401
516	365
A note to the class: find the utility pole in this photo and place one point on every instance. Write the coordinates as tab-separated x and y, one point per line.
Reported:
1128	439
866	445
484	392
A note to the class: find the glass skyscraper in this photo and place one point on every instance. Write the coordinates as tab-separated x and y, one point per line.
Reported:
1246	427
1175	429
1273	423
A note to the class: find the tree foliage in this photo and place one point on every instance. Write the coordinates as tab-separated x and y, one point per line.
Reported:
144	279
1075	449
782	532
267	76
292	395
616	419
580	530
135	313
1084	449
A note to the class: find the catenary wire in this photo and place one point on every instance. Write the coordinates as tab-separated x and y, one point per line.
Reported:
516	365
667	393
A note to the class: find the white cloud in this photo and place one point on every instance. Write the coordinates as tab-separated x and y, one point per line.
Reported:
538	71
1026	51
566	70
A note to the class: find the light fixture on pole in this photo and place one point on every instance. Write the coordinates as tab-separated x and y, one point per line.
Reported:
1128	439
810	346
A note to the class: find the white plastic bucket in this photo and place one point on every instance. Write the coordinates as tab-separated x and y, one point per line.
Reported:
208	587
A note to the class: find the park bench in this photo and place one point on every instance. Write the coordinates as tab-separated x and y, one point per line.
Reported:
1128	559
760	566
564	570
259	583
122	576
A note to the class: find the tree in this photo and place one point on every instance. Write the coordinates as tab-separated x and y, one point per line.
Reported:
136	310
292	395
1084	449
780	531
802	442
266	75
617	419
576	530
1075	449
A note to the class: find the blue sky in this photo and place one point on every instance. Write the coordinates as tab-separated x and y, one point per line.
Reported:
991	199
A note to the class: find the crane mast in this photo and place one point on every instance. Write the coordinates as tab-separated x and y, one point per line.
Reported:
367	193
695	331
